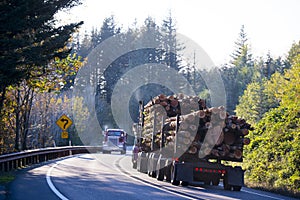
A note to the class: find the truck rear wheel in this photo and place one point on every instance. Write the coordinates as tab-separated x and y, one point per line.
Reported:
160	170
168	172
215	181
160	174
174	175
237	188
134	165
152	161
184	183
207	182
225	184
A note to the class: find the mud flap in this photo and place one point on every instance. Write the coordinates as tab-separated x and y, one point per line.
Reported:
184	172
235	176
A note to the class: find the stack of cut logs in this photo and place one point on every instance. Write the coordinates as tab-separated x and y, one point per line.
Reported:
202	131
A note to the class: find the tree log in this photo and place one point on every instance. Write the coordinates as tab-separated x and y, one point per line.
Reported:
229	138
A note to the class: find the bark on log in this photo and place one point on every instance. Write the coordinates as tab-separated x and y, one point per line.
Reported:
229	138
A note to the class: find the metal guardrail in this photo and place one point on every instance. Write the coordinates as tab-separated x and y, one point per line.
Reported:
18	160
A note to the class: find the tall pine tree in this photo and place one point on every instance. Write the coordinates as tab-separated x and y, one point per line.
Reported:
238	74
30	38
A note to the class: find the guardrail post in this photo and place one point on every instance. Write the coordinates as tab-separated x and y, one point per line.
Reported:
30	160
7	166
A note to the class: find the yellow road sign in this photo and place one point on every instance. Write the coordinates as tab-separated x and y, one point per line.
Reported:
64	122
64	135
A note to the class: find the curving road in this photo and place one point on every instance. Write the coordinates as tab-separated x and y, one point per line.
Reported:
105	176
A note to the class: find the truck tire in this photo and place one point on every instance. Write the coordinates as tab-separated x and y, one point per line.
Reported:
160	170
152	165
184	183
174	175
155	161
207	182
225	184
149	172
134	165
215	181
160	175
236	188
168	172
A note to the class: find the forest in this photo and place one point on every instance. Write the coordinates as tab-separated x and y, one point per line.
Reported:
40	61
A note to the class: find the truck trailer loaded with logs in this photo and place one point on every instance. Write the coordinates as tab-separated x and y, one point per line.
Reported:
180	140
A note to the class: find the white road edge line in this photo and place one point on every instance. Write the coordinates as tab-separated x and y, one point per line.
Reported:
153	186
51	185
263	195
156	187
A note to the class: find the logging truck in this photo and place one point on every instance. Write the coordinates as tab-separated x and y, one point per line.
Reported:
114	140
180	140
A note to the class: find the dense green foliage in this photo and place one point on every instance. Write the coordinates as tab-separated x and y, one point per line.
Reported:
273	156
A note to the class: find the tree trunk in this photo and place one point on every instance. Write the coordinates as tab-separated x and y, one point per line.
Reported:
2	98
26	115
18	127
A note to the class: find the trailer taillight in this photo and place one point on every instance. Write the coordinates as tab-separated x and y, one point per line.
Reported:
215	171
175	159
198	169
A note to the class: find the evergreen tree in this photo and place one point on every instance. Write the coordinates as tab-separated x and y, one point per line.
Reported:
104	83
293	52
241	56
240	71
170	44
30	38
108	29
85	45
272	65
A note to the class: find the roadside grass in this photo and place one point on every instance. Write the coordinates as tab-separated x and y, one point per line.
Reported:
6	177
282	191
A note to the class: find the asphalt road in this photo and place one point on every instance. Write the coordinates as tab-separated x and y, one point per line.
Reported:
105	176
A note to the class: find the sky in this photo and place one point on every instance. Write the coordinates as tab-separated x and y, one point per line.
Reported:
272	26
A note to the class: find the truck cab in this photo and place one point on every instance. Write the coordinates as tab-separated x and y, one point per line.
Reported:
114	140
